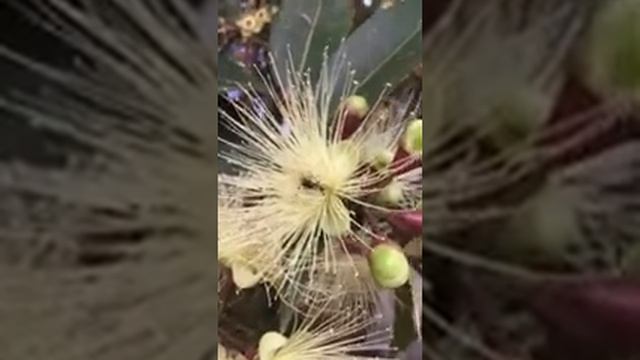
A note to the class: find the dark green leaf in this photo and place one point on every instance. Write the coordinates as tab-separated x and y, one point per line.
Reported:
384	49
306	28
230	8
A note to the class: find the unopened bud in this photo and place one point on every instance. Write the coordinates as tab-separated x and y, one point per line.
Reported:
383	159
412	140
392	194
269	345
389	266
517	115
613	56
357	105
355	109
244	277
408	155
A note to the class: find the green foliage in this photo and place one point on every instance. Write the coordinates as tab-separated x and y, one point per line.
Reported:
381	51
614	49
384	48
306	29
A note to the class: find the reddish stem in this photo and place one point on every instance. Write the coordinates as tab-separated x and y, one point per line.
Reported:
406	222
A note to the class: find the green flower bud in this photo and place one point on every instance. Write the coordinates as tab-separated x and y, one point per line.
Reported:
355	109
613	53
382	159
357	106
412	141
389	266
544	229
517	116
269	345
392	194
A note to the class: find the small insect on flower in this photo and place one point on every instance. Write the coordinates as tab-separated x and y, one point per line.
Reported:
333	337
309	182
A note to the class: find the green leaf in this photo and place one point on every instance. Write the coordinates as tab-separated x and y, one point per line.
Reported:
230	8
305	28
384	49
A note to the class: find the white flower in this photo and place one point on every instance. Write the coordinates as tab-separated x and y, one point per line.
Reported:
303	188
333	337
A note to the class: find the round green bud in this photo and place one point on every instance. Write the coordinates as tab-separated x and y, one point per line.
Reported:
517	116
543	229
357	106
382	159
392	194
613	53
412	141
269	345
389	266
